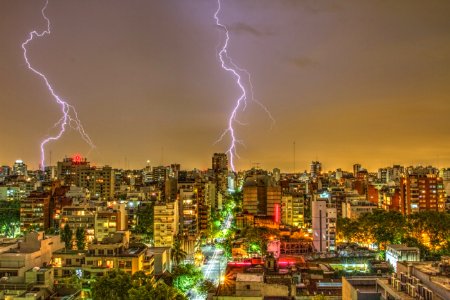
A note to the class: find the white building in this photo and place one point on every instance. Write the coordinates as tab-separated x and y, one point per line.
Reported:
323	226
396	253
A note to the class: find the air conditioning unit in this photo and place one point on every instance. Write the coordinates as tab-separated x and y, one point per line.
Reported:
420	289
397	285
403	286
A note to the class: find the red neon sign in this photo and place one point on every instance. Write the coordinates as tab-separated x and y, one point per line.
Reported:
277	211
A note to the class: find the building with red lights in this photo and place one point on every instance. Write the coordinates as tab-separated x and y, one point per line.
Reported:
421	192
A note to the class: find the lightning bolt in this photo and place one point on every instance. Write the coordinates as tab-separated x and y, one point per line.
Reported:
69	114
241	102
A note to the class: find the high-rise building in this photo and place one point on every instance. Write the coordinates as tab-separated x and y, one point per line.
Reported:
160	174
356	169
166	223
445	174
69	169
220	163
255	194
34	212
316	169
19	168
4	171
382	175
323	226
189	209
420	191
99	181
274	201
80	216
293	210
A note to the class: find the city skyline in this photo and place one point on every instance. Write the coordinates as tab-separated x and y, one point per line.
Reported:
354	82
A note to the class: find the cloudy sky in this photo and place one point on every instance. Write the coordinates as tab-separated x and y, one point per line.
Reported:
349	81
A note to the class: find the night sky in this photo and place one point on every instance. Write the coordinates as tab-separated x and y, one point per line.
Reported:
349	81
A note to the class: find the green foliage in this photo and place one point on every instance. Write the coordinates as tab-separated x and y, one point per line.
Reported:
387	227
66	237
9	218
225	245
178	254
257	237
80	236
205	286
144	217
160	292
118	285
428	230
184	277
113	285
434	225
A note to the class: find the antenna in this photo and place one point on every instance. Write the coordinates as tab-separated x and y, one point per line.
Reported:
294	157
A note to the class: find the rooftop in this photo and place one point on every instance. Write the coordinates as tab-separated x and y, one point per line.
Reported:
401	247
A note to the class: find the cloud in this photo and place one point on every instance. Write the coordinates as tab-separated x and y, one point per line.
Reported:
313	6
302	62
248	29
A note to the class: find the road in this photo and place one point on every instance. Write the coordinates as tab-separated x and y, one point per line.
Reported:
215	265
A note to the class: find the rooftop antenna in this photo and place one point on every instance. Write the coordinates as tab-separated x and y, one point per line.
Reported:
294	157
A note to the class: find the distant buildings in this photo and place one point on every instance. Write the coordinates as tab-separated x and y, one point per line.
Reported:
20	168
316	169
77	171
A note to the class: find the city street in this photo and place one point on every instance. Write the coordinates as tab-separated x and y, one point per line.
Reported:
215	263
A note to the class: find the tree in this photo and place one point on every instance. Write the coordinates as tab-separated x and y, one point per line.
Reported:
160	292
114	285
205	286
144	217
80	236
178	254
184	277
257	238
66	237
9	217
388	227
139	278
430	227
